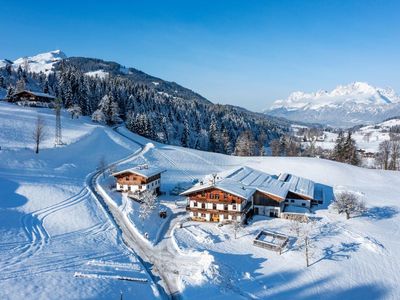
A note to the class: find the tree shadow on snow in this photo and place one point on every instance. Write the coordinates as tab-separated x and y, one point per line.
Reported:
339	253
377	213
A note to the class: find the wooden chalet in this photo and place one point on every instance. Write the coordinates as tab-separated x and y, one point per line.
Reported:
32	98
218	203
241	192
138	179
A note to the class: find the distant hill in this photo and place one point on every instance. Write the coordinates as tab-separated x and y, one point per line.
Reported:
155	108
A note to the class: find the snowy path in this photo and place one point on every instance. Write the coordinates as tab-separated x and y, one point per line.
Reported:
167	262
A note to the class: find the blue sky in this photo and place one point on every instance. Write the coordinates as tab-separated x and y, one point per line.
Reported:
245	53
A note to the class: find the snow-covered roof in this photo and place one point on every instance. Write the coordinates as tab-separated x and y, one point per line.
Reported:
142	170
38	94
298	185
242	182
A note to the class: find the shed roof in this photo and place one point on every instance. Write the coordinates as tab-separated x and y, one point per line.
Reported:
298	185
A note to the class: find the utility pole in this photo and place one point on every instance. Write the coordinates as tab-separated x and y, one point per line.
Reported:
58	137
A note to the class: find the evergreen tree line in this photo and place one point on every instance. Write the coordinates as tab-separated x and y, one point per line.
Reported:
153	114
345	149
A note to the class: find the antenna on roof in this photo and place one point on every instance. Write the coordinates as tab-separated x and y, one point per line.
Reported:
214	175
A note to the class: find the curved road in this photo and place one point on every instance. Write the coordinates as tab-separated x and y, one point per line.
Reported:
162	260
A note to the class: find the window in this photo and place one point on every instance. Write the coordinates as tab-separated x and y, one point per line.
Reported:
194	203
292	201
203	215
225	196
303	204
225	206
234	206
203	193
216	196
140	187
126	177
203	205
211	196
214	206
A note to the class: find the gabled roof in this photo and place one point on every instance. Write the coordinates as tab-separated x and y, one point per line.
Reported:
225	186
242	182
298	185
145	171
38	94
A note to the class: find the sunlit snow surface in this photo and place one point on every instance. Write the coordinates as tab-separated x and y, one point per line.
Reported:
51	228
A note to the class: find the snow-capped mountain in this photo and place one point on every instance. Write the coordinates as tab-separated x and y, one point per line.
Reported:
346	105
43	62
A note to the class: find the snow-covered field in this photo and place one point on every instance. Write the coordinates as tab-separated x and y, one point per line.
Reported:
52	228
50	225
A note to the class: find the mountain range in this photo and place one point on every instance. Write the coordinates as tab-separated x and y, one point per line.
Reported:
345	106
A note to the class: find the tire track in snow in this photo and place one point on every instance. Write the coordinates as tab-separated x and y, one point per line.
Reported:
36	233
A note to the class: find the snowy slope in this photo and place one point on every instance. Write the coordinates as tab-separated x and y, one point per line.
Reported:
352	259
346	105
52	228
42	62
50	225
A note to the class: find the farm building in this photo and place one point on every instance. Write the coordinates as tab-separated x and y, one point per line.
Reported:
31	98
138	179
232	195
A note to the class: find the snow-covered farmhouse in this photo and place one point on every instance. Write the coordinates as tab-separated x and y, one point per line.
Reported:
238	193
32	98
138	179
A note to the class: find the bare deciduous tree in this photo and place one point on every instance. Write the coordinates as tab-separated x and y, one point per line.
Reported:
275	147
394	155
237	226
348	203
148	204
383	155
39	133
304	232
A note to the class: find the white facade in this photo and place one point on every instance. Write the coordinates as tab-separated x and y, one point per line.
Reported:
223	213
153	185
299	202
270	211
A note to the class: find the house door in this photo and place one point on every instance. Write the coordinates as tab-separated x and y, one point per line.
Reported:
215	217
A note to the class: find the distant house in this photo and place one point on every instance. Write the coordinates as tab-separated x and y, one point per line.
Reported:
138	179
30	98
238	193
